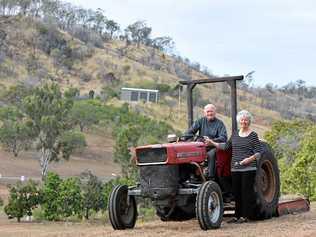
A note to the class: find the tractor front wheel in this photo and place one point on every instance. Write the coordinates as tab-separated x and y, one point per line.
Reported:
209	206
122	208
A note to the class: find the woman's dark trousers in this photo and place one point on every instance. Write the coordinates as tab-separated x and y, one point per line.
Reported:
243	189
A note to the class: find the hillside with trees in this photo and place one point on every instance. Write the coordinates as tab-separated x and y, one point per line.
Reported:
56	41
53	52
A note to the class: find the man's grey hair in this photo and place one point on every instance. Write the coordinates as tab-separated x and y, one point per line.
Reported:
210	106
244	113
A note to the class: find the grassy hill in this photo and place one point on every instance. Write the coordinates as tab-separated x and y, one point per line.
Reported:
32	60
33	52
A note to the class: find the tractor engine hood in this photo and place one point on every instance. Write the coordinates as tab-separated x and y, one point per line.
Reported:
171	153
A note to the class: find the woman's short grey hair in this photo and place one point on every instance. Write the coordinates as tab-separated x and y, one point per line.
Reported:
244	113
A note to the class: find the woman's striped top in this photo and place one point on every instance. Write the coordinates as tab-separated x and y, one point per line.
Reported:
243	147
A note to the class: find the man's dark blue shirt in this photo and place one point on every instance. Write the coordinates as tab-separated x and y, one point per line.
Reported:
214	129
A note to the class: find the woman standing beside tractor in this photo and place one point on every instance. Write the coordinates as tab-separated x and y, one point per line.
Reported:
246	150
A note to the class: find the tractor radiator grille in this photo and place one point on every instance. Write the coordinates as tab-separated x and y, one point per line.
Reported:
151	155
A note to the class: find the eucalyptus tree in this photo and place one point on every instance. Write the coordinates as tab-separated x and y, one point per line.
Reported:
139	32
98	20
47	111
112	27
24	6
15	132
164	43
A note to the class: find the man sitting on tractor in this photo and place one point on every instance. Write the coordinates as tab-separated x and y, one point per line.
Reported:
210	127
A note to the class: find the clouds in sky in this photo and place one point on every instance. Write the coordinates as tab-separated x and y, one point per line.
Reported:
277	39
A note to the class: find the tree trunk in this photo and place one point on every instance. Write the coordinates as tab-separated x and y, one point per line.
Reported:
15	150
81	127
44	161
87	214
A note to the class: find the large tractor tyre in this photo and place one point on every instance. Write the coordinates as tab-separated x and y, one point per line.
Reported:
209	206
122	208
267	185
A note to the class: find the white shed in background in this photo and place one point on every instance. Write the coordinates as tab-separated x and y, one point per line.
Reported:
137	94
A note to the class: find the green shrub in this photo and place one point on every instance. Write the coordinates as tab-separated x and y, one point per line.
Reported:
69	199
163	88
61	198
91	193
83	114
301	175
72	141
294	144
72	92
22	200
50	193
15	133
38	214
110	92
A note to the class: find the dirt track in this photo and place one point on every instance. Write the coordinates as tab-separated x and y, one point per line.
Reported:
298	225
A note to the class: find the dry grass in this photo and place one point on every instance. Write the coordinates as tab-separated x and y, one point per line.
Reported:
97	157
298	225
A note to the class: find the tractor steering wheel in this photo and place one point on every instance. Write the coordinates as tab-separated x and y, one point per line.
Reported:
186	137
195	138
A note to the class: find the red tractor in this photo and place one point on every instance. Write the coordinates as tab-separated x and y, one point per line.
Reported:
172	176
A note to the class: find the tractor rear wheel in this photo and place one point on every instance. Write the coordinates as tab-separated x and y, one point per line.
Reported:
209	206
267	185
122	208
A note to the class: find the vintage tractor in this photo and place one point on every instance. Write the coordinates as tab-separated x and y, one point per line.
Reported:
172	176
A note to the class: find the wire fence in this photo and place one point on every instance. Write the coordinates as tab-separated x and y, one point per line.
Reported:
6	180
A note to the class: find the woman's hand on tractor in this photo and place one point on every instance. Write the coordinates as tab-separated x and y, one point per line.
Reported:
246	161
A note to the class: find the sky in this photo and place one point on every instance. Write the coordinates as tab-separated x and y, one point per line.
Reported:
274	38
